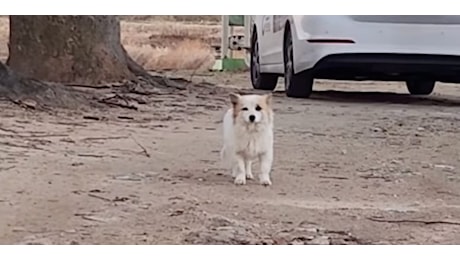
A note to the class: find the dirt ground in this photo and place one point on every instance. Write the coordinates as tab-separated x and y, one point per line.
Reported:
358	163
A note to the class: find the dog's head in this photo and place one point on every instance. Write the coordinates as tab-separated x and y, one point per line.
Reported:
252	109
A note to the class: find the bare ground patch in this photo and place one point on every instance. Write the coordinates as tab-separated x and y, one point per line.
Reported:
376	168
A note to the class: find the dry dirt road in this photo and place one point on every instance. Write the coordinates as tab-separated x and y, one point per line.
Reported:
351	167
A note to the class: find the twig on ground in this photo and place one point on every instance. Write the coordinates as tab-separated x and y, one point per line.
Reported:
103	138
96	155
126	117
371	176
90	155
22	146
108	102
91	218
141	91
99	197
24	104
448	193
7	168
88	216
88	86
142	147
333	177
426	222
92	118
8	130
43	135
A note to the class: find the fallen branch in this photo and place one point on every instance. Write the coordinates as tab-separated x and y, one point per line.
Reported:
88	86
126	117
24	104
90	155
22	146
448	193
8	130
92	118
142	147
370	176
103	138
96	155
333	177
7	168
43	135
92	218
99	197
108	101
89	216
426	222
141	91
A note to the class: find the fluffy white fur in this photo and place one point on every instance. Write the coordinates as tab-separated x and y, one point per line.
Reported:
248	136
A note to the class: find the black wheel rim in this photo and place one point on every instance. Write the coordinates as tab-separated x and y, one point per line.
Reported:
255	65
288	64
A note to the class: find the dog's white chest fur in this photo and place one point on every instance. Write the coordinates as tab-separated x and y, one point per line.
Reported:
248	136
251	143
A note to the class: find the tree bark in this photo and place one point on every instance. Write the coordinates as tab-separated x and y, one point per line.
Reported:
69	49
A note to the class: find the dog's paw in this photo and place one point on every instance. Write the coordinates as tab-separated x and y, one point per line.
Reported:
249	176
265	182
240	180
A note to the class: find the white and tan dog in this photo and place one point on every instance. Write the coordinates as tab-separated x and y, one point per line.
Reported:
248	136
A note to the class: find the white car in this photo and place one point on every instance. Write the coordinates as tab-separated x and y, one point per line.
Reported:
416	49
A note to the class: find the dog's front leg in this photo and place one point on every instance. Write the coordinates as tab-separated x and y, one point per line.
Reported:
266	160
240	174
235	169
248	165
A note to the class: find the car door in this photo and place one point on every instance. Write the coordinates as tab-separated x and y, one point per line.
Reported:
275	55
265	36
271	39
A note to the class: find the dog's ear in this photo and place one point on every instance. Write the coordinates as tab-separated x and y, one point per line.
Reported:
269	99
234	98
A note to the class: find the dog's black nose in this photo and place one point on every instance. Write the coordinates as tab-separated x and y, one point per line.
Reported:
252	118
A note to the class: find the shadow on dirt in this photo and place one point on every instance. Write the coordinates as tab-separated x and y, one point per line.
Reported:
382	97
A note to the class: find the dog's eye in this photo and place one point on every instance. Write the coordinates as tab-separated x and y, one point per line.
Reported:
258	108
244	109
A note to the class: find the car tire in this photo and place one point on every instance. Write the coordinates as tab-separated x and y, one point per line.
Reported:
297	85
420	87
263	81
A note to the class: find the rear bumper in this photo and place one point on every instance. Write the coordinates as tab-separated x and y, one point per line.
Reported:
379	48
398	67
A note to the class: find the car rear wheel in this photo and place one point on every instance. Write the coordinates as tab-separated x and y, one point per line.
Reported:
420	87
298	85
263	81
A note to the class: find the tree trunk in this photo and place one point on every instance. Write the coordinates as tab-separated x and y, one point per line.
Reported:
69	49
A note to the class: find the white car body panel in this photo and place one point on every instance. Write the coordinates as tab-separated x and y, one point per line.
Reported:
438	35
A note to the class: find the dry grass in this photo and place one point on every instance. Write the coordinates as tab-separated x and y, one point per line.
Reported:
4	35
135	32
163	45
210	19
185	55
